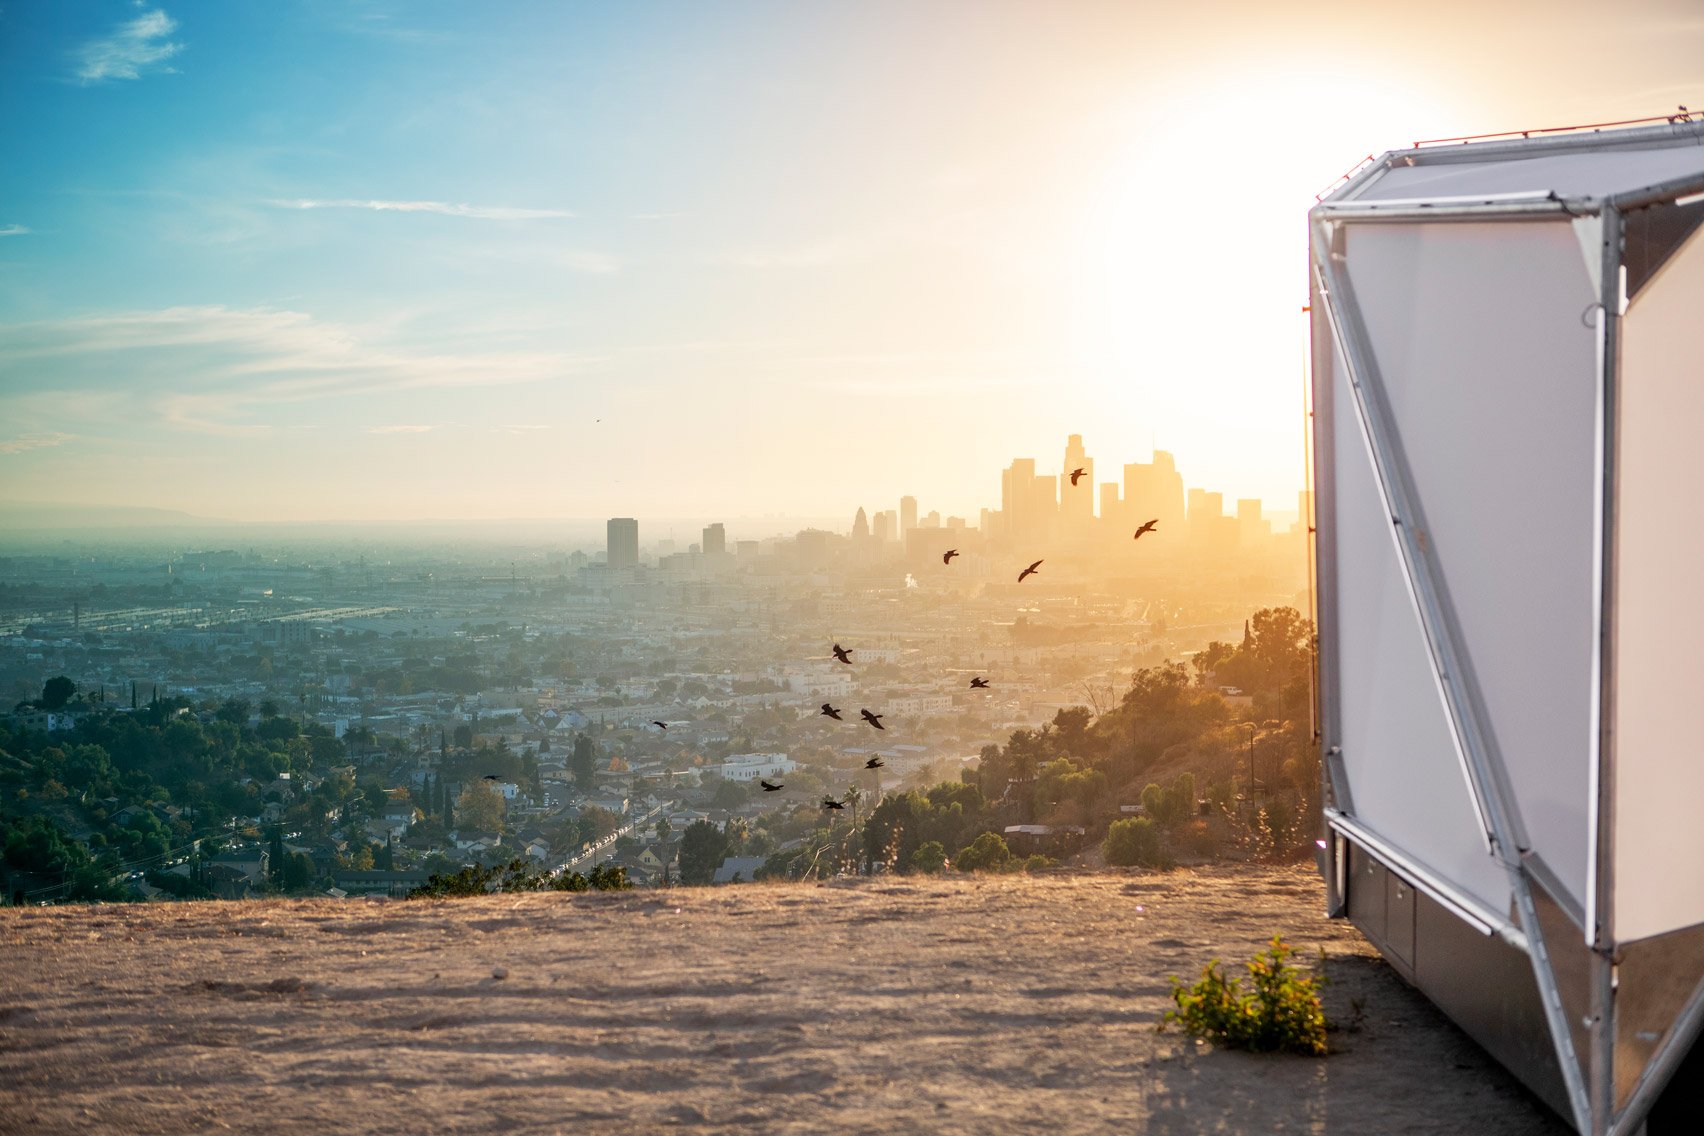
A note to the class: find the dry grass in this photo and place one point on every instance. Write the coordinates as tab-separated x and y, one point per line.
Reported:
873	1006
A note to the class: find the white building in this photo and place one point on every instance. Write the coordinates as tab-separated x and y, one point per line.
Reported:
751	766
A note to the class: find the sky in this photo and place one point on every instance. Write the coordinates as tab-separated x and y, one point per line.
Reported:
393	261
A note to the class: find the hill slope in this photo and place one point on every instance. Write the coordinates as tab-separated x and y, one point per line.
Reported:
884	1006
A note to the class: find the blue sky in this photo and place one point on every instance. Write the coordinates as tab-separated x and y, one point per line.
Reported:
327	260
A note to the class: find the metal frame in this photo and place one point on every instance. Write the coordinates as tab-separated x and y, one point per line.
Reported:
1590	1085
1463	705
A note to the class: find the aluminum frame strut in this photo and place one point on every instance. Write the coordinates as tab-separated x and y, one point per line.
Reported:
1487	783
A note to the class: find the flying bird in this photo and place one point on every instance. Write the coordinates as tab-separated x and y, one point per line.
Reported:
874	763
831	803
947	556
844	654
1077	473
979	683
768	788
660	725
874	719
1030	571
828	711
1150	526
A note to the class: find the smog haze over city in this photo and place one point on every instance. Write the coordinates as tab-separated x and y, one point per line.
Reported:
595	447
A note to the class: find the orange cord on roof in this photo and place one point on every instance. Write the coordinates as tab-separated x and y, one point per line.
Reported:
1681	115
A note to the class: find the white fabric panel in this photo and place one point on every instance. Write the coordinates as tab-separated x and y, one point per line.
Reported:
1659	622
1491	375
1405	778
1568	175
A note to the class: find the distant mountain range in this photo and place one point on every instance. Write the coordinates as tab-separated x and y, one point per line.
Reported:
35	515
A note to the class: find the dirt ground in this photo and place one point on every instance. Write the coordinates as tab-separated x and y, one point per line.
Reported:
994	1005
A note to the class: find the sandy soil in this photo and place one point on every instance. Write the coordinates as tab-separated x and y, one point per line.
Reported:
870	1006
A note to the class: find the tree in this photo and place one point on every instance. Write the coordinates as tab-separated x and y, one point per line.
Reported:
480	807
930	858
56	692
1134	841
583	763
987	853
731	795
703	847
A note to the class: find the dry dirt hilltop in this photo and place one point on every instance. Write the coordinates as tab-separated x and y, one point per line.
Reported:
901	1005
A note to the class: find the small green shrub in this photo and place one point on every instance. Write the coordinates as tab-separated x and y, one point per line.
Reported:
1280	1014
987	853
1134	841
517	876
930	857
1039	863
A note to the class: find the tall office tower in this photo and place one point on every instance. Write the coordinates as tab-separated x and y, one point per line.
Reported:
883	533
988	521
955	522
1111	508
1252	529
1205	511
907	515
1017	498
623	542
1077	502
892	523
860	527
1168	482
1046	493
932	520
715	540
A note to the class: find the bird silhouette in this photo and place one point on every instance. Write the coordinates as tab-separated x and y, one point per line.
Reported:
768	788
947	556
492	777
660	725
844	654
1077	473
828	711
1150	526
831	803
874	719
979	684
874	763
1030	571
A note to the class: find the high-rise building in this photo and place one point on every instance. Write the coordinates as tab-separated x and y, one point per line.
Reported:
907	515
860	527
887	521
623	542
931	521
1077	502
1017	497
1252	529
715	540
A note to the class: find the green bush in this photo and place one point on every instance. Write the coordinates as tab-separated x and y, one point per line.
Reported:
517	876
1134	841
930	857
1280	1014
987	853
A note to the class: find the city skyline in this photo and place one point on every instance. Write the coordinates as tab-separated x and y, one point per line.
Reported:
310	263
1033	506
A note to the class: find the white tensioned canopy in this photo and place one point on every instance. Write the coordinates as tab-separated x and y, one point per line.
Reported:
1509	404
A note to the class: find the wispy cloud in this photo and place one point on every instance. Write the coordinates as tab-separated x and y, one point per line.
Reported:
130	49
399	429
219	370
14	230
24	443
442	208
